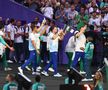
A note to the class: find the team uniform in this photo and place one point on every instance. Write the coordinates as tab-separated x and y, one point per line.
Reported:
38	86
53	48
18	44
10	29
32	57
80	42
88	59
10	86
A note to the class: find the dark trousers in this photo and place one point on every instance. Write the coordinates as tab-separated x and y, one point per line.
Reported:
44	52
19	51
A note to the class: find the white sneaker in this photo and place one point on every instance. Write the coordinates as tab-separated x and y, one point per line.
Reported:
28	68
45	73
51	69
85	79
35	73
9	61
48	61
82	72
20	70
38	70
57	75
93	75
39	67
8	69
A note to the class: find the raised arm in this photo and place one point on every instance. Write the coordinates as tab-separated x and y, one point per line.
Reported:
43	23
82	30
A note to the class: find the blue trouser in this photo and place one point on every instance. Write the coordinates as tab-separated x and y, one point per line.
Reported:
32	59
76	57
87	69
53	61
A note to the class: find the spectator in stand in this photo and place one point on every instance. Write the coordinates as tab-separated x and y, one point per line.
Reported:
60	15
67	7
95	22
48	11
72	15
82	18
89	48
54	36
36	22
44	52
93	4
38	85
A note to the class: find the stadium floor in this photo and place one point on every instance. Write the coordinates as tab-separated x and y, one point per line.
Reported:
51	82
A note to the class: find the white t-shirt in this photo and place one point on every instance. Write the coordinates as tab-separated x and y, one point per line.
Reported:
31	38
80	42
105	18
1	49
20	38
37	35
48	12
11	29
70	47
96	21
72	14
53	43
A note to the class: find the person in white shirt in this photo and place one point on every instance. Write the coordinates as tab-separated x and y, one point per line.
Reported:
54	36
18	42
36	21
3	46
10	35
44	51
33	48
79	46
70	49
48	11
95	21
